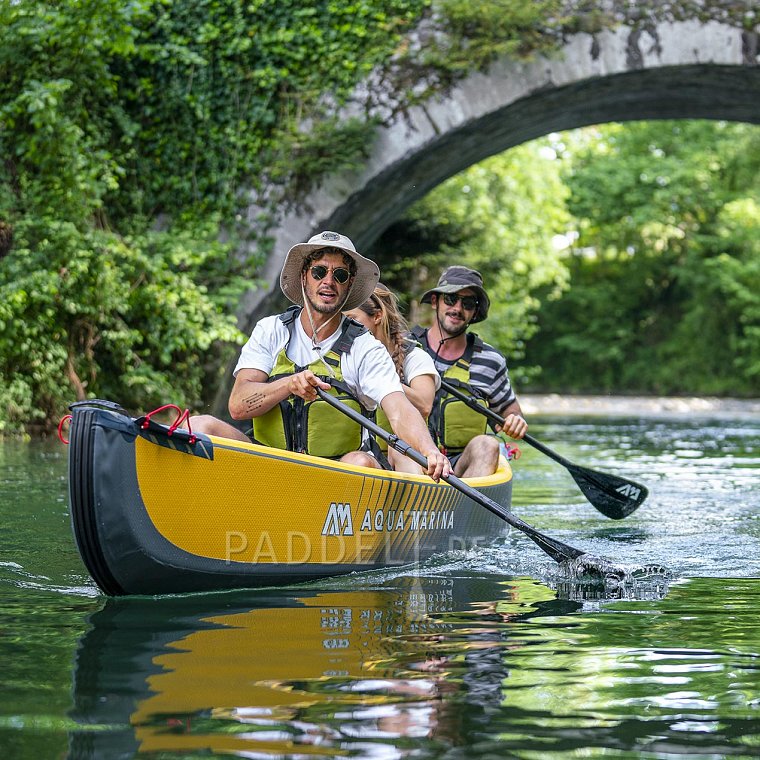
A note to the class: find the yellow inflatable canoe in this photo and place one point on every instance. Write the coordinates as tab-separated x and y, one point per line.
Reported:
161	511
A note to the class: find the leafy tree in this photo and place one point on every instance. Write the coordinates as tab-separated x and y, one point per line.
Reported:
93	315
130	132
118	117
660	296
136	135
233	97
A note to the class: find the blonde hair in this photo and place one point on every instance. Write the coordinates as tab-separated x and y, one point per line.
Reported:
393	326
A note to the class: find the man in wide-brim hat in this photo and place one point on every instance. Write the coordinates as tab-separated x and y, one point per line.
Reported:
475	367
312	345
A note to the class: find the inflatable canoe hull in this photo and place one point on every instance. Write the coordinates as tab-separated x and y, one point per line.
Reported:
155	512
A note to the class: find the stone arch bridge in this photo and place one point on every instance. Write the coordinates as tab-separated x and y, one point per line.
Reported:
686	69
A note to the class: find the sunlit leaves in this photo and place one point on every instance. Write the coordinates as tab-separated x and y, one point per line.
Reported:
95	315
664	295
229	91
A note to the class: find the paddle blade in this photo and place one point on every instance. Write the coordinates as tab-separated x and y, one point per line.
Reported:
613	496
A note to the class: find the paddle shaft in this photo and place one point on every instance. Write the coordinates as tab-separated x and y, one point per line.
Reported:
557	550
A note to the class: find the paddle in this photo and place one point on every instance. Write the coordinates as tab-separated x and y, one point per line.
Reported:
613	496
555	549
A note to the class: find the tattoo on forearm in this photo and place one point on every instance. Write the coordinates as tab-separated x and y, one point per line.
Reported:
253	402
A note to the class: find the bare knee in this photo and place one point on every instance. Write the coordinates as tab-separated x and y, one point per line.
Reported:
480	457
360	459
201	422
205	423
486	446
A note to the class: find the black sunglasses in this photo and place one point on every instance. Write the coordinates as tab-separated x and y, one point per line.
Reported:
340	274
469	303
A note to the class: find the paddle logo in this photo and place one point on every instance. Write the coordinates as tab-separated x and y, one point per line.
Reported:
338	521
629	491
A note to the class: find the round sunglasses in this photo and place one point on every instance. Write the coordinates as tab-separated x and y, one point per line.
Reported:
340	274
469	303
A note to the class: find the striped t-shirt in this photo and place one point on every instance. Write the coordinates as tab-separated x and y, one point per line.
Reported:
488	373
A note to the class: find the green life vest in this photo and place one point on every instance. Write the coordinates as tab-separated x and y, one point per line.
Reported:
452	423
381	418
313	427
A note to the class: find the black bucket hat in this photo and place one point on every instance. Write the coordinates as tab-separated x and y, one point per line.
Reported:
456	278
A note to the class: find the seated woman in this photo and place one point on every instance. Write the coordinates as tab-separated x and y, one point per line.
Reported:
381	316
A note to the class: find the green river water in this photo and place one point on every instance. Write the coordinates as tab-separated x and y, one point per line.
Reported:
474	655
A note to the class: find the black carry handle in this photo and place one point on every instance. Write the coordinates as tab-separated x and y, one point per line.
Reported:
614	496
555	549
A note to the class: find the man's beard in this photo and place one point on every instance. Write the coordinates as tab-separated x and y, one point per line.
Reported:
321	308
449	330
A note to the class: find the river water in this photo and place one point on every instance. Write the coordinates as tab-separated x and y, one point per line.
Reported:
479	654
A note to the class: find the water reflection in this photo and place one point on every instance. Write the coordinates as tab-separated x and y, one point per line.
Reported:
486	664
319	672
495	666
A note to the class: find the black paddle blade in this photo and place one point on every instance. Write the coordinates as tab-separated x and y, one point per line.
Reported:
613	496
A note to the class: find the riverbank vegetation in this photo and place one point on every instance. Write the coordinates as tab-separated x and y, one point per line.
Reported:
663	292
148	146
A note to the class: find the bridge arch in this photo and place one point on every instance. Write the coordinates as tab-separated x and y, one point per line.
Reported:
685	69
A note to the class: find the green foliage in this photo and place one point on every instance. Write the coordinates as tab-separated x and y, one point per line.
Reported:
134	135
115	117
477	33
56	97
663	292
657	291
720	284
94	315
231	96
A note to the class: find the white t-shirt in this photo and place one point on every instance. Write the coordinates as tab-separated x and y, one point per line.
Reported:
419	362
367	368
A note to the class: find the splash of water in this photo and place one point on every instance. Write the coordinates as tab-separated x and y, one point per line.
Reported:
592	577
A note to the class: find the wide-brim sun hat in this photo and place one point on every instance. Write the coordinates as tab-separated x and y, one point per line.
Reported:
366	277
456	278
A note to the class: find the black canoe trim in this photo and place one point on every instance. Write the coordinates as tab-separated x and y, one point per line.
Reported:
82	501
